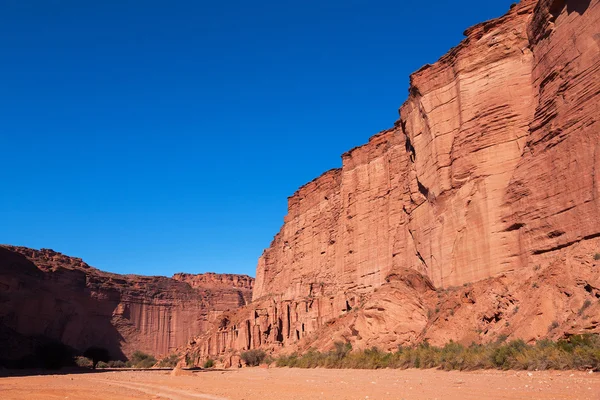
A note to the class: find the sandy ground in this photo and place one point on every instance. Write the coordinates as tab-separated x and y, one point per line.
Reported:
284	383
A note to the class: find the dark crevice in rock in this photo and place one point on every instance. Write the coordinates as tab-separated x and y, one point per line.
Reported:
410	149
422	189
289	321
249	331
556	233
493	318
514	227
562	246
416	250
279	336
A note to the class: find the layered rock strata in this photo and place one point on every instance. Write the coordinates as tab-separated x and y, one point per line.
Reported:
51	296
490	170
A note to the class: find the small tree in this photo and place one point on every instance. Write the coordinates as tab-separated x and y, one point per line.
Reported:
253	358
97	354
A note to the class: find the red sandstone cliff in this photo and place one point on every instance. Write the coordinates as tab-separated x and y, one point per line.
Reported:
488	179
47	294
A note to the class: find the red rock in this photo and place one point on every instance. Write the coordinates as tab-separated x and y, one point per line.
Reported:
490	171
45	293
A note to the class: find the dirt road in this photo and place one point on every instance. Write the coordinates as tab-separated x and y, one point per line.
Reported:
284	383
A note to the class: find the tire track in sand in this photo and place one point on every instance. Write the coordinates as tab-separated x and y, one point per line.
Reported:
162	391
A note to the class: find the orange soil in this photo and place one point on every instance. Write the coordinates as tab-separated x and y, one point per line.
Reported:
284	383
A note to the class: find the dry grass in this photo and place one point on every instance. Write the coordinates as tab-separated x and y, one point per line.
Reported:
578	352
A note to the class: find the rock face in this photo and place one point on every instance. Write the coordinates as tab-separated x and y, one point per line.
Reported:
490	170
45	294
210	280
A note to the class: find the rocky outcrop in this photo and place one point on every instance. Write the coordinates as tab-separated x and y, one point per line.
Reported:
554	194
210	280
47	295
490	170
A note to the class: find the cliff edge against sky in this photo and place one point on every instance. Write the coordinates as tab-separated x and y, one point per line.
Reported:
488	180
46	295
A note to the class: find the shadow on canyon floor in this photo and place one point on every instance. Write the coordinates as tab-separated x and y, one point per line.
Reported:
4	373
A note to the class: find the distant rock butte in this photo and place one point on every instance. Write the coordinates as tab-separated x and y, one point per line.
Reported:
47	294
488	179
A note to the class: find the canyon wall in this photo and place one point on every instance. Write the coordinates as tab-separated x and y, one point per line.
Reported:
46	295
426	194
490	170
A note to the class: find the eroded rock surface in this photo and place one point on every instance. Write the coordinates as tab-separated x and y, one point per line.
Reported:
47	294
489	171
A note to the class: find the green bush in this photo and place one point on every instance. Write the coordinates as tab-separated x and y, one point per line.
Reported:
83	362
577	352
189	360
169	361
141	360
116	364
209	363
597	256
253	357
341	349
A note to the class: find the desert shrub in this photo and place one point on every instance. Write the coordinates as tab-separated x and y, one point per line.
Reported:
253	357
501	339
597	256
287	360
503	356
268	360
341	349
209	363
116	364
577	352
102	364
169	361
141	360
96	355
553	326
189	360
83	362
372	358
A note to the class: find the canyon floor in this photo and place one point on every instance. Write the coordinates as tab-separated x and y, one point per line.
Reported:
284	383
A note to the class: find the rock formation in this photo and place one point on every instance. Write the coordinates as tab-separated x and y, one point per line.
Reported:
489	172
45	294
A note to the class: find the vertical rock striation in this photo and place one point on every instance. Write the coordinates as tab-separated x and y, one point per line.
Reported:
47	295
553	196
491	165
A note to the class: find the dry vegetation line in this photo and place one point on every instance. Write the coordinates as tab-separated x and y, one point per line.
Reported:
162	391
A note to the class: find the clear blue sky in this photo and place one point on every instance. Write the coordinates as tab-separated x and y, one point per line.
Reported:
153	137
